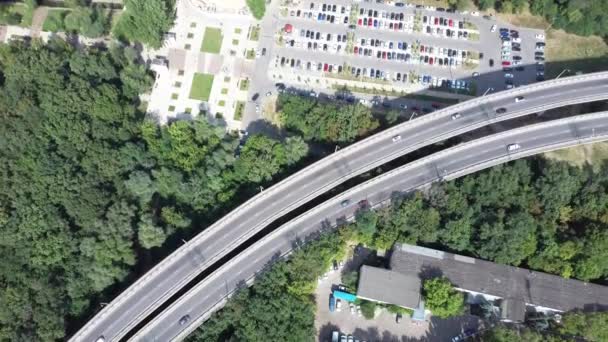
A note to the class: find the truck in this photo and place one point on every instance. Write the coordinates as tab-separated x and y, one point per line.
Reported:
335	336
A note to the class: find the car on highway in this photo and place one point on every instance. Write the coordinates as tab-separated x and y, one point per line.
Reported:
501	110
456	116
345	203
185	319
100	339
396	138
519	99
255	96
513	147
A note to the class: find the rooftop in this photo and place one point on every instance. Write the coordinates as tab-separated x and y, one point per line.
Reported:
387	286
508	282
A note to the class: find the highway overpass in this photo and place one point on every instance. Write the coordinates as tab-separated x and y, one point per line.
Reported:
160	283
211	293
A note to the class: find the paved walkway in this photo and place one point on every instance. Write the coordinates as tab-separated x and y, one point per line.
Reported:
38	19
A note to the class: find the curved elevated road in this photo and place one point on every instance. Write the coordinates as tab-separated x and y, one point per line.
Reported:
458	161
175	271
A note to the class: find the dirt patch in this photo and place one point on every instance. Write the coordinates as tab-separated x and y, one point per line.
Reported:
525	19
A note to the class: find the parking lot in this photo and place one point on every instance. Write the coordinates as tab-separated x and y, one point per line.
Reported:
397	48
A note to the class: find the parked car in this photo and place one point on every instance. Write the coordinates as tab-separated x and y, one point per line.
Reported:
513	147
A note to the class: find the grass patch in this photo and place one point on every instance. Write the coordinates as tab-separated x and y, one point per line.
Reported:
569	51
474	36
226	79
177	84
592	154
174	96
238	112
257	8
250	54
190	35
383	92
244	84
171	108
54	20
192	25
212	40
525	19
188	110
235	42
237	30
201	86
254	33
224	91
221	103
12	14
470	26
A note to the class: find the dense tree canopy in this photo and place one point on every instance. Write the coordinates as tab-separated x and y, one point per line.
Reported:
328	122
545	215
145	21
580	17
89	184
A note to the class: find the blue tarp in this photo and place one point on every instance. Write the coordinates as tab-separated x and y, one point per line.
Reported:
349	297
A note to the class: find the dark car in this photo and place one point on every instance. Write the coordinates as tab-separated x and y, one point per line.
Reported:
185	319
491	62
501	110
255	96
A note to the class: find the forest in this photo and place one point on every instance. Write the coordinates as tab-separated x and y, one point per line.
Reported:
582	17
91	185
533	213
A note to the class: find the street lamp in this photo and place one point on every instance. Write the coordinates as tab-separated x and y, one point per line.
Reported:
561	73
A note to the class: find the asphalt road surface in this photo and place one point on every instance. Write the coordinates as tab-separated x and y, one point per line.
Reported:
448	164
156	286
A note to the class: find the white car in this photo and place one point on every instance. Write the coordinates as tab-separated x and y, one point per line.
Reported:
493	29
508	75
519	99
517	63
338	305
475	14
509	86
513	147
456	116
396	138
540	36
516	40
257	108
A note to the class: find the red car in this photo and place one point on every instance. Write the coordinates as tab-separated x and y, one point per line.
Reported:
451	23
421	48
370	22
431	61
360	22
383	54
356	49
435	105
506	63
436	21
325	67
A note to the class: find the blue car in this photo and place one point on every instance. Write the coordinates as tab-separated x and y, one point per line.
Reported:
319	17
332	303
399	45
390	45
375	23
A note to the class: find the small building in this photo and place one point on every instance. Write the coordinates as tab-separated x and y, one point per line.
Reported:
349	297
386	286
288	28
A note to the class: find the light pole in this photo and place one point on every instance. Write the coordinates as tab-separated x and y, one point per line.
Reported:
561	73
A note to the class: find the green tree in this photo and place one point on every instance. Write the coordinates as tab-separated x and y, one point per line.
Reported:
257	8
295	149
442	299
486	4
145	21
590	326
368	309
149	234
